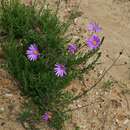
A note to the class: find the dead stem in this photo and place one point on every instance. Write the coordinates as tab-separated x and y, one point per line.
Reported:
95	85
85	92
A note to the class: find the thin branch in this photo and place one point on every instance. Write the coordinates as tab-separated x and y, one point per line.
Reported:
58	6
84	93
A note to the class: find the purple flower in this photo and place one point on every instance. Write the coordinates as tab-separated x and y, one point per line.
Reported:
94	27
60	70
72	48
93	42
45	117
33	52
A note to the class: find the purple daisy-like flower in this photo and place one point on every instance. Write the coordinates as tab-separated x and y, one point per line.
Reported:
33	52
60	70
94	27
45	117
93	42
72	48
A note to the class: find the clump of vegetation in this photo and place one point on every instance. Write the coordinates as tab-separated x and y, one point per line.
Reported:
107	85
43	60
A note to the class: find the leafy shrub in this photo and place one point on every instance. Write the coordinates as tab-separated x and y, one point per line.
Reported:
45	33
16	18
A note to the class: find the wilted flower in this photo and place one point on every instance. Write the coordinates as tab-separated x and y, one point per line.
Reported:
60	70
72	48
47	116
93	42
33	52
94	27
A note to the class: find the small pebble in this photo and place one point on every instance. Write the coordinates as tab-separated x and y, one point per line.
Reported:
79	105
94	111
101	72
2	109
69	10
97	93
75	37
126	122
83	127
26	125
76	20
8	95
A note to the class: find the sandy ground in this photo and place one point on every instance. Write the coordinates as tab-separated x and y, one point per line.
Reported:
114	17
107	109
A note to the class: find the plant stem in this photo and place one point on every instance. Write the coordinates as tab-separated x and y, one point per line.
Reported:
95	85
58	5
84	93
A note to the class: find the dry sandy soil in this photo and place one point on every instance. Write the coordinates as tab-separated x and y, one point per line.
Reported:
106	109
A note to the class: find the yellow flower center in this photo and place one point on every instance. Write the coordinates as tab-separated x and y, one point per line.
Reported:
36	52
94	42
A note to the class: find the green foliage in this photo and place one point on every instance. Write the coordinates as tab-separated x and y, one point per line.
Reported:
107	85
58	118
16	18
24	116
24	26
77	128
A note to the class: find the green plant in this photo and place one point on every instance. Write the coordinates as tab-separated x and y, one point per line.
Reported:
16	18
25	26
77	128
107	85
24	115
